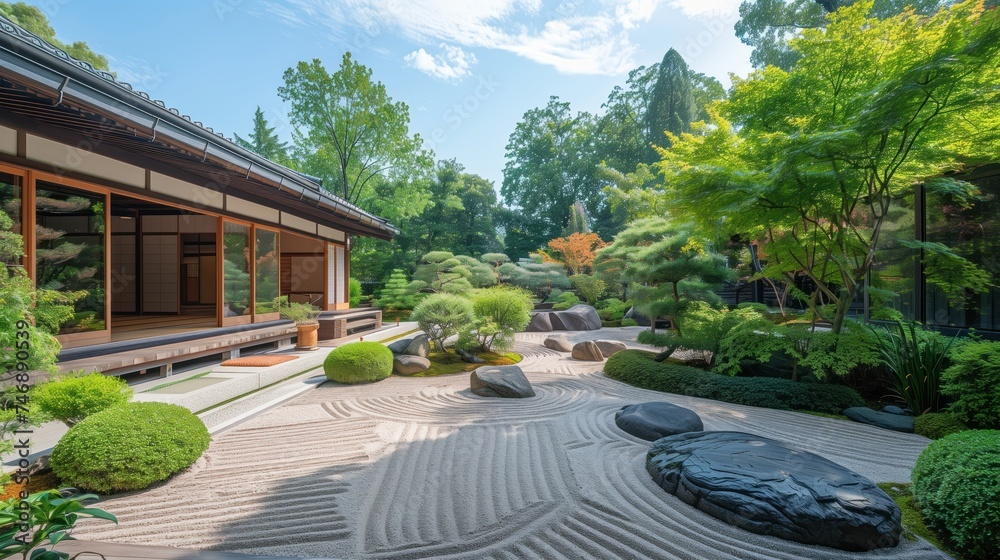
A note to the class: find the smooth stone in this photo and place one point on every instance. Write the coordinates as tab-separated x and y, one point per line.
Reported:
404	364
40	466
580	317
500	381
588	351
610	347
893	409
558	342
469	358
654	420
885	420
763	486
399	346
419	346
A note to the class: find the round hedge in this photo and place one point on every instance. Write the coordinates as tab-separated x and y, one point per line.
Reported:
358	362
71	399
936	425
129	447
956	481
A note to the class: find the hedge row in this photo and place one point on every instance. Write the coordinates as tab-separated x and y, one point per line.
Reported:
638	368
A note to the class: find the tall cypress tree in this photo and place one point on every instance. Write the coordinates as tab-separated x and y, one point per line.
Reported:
672	107
263	141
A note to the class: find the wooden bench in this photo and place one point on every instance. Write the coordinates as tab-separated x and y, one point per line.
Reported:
340	325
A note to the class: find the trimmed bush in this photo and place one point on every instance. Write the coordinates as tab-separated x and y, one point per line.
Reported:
442	316
936	425
358	362
638	368
956	480
71	399
629	322
500	312
354	292
973	379
129	447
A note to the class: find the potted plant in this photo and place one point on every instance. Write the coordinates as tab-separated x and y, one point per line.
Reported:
306	319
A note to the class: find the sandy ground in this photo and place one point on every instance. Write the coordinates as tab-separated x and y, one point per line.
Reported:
422	468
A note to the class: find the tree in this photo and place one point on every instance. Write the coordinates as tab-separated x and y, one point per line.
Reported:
442	316
705	90
394	295
672	107
263	141
350	132
871	107
34	21
576	252
441	271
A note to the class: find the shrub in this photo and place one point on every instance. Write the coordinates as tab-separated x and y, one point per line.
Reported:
442	316
71	399
936	425
956	480
590	287
394	295
629	322
358	362
638	368
612	309
973	379
354	292
129	447
565	301
500	312
915	363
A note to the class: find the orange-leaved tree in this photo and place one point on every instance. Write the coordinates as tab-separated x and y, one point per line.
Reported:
576	252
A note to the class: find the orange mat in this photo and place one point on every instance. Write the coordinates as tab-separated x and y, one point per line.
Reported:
258	361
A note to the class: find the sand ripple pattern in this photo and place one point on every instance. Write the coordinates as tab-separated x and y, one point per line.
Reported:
422	468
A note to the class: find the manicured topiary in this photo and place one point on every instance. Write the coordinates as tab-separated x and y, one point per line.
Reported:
936	425
71	399
956	481
973	379
358	362
129	447
638	368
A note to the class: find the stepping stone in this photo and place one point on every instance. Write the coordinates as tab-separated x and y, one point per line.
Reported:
654	420
577	318
889	421
404	364
501	381
763	486
588	351
558	342
610	347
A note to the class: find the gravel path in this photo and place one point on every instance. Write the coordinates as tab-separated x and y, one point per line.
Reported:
422	468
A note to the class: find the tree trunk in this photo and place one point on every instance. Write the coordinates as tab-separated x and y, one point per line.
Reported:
843	306
662	356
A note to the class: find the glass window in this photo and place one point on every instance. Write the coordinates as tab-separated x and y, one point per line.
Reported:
891	294
236	270
10	207
266	271
70	252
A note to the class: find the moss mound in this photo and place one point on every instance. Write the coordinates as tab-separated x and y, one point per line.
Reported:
129	447
936	425
358	362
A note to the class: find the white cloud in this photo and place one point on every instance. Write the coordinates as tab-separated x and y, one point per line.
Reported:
573	36
729	9
451	65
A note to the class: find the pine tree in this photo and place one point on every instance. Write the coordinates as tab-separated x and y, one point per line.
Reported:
394	295
263	141
577	220
672	107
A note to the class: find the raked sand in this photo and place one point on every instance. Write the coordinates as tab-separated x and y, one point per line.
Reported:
422	468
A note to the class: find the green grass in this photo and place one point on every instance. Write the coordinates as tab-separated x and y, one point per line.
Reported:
162	385
398	336
225	402
445	363
913	521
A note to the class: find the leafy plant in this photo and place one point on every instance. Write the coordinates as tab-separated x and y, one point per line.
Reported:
301	313
442	316
500	312
358	362
936	425
70	399
590	287
354	292
565	301
914	365
973	379
395	296
50	517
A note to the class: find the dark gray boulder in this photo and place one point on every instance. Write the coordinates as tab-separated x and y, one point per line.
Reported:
889	421
468	357
587	351
558	342
654	420
501	381
763	486
399	346
415	346
405	364
577	318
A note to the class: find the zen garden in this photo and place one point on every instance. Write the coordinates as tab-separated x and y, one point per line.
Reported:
755	318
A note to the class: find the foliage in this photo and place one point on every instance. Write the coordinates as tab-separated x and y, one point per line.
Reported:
629	322
576	252
442	316
671	106
446	363
914	365
71	399
973	380
565	300
442	272
358	362
129	447
810	170
640	369
33	19
912	521
612	309
536	277
301	313
936	425
956	480
500	312
496	260
481	275
51	516
354	292
263	141
394	295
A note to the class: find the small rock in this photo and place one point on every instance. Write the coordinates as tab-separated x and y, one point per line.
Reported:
893	409
40	466
885	420
610	347
501	381
558	342
654	420
588	351
468	357
404	364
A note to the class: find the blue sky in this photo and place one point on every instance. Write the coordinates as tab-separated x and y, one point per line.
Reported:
468	69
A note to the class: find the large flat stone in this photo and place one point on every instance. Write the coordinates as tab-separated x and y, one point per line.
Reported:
500	381
768	488
577	318
885	420
654	420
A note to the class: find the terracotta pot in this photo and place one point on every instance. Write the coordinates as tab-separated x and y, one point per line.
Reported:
308	336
